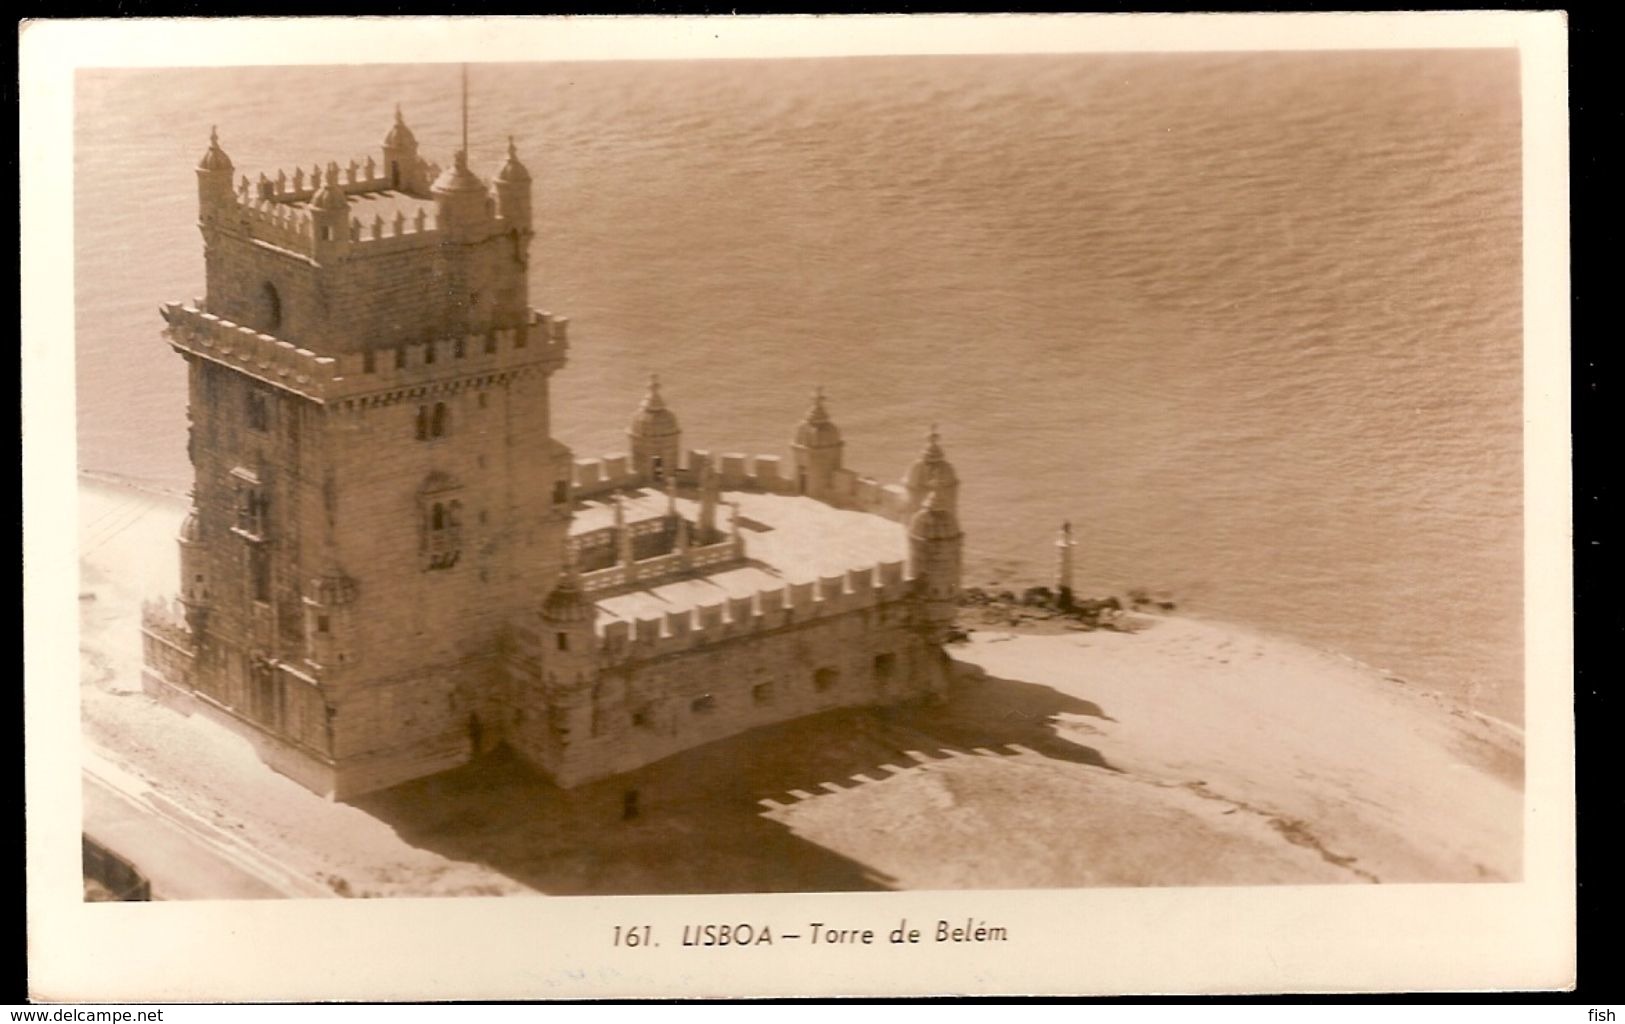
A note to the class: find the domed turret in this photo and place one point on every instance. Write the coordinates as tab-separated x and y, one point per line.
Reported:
932	472
402	166
461	196
331	197
656	437
818	430
215	158
330	215
214	191
512	186
400	136
565	604
817	450
512	170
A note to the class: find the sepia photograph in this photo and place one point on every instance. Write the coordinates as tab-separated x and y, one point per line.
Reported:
1053	473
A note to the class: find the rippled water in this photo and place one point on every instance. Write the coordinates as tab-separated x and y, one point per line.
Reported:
1251	321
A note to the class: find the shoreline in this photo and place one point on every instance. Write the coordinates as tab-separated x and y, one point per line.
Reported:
1176	750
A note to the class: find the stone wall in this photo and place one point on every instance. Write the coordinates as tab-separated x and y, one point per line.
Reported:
643	708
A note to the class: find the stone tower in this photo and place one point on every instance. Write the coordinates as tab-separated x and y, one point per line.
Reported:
377	491
555	716
817	451
655	437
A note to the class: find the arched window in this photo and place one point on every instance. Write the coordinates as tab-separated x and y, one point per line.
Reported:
270	306
395	175
441	522
437	426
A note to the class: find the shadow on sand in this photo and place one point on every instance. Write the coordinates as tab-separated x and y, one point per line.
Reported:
699	827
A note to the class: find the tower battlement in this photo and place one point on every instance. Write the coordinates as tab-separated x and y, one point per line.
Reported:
543	343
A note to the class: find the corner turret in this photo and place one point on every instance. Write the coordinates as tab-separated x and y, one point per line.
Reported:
512	186
194	574
932	472
655	436
330	216
817	450
214	189
464	205
570	656
935	548
403	168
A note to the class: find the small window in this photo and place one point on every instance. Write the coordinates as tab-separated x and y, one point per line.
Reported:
322	624
400	358
825	679
428	353
459	348
437	420
490	343
762	693
561	491
643	718
259	415
563	641
703	705
369	361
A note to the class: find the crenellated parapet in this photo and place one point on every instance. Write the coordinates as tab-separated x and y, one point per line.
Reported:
542	344
271	360
860	493
762	612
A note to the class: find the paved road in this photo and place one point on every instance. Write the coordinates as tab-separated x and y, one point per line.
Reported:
177	852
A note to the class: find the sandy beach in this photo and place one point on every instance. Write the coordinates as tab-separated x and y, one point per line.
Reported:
1177	752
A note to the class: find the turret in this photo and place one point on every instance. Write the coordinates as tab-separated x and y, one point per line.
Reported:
569	660
194	574
214	188
935	546
817	451
512	185
330	216
402	166
462	201
932	472
655	437
329	602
